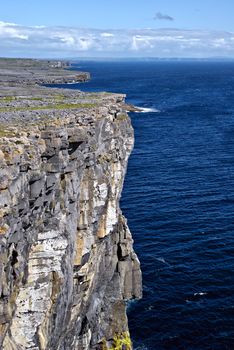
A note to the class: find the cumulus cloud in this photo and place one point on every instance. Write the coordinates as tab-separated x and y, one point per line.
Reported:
161	16
42	41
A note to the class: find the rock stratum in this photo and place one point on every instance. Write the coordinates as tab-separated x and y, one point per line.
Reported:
67	264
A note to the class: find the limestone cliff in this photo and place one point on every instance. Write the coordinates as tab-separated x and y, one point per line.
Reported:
67	264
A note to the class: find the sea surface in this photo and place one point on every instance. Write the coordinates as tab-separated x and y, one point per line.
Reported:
179	198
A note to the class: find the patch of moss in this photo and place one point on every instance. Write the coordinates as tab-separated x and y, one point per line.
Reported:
122	341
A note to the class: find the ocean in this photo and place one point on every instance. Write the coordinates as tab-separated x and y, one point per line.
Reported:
179	198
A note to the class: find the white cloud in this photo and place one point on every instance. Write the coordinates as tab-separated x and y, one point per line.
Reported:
42	41
5	24
11	30
107	35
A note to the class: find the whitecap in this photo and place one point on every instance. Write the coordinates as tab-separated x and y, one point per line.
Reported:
73	83
200	293
147	110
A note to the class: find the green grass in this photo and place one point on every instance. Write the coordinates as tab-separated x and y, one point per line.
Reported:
35	98
8	98
55	106
14	98
58	97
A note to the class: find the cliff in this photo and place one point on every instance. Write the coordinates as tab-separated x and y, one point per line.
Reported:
67	264
28	72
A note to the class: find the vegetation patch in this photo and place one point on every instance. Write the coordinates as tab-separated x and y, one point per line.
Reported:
35	98
53	106
14	98
8	98
121	341
121	117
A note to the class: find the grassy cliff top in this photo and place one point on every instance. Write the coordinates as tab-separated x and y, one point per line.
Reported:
23	100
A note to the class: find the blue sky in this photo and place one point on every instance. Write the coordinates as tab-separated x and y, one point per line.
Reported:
166	28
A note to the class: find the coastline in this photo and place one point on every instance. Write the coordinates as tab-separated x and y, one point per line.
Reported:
68	263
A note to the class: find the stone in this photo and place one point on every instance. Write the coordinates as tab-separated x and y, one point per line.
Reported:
67	264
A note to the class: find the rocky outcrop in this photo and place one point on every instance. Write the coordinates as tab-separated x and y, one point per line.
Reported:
31	72
67	265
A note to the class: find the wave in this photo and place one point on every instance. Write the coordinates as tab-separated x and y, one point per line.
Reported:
196	297
73	83
148	110
200	293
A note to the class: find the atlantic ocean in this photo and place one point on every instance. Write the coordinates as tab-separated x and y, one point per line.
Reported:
179	198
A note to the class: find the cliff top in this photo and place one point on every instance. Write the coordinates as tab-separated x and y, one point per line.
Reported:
24	102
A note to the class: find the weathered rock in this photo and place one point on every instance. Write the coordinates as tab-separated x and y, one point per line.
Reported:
67	264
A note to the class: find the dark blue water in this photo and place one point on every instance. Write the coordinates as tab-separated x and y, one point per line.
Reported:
179	199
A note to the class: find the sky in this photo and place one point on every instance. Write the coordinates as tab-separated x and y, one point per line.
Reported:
117	28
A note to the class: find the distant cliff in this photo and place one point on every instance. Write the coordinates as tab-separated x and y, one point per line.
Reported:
67	265
28	72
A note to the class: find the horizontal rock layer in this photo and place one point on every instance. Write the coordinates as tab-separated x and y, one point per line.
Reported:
67	264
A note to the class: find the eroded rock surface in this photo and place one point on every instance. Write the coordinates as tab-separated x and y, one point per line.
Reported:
67	264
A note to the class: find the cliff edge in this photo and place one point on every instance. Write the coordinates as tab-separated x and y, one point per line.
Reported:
67	264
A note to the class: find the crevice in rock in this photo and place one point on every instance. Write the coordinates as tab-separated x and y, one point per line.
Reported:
72	146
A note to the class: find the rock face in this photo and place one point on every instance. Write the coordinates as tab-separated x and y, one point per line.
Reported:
67	264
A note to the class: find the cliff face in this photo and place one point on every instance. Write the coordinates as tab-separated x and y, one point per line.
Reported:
67	264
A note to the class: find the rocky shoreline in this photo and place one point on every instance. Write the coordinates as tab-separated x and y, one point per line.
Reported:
67	264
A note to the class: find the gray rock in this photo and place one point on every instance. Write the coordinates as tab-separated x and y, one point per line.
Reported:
67	264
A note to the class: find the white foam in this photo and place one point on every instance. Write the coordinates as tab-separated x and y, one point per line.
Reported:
200	293
73	83
147	110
